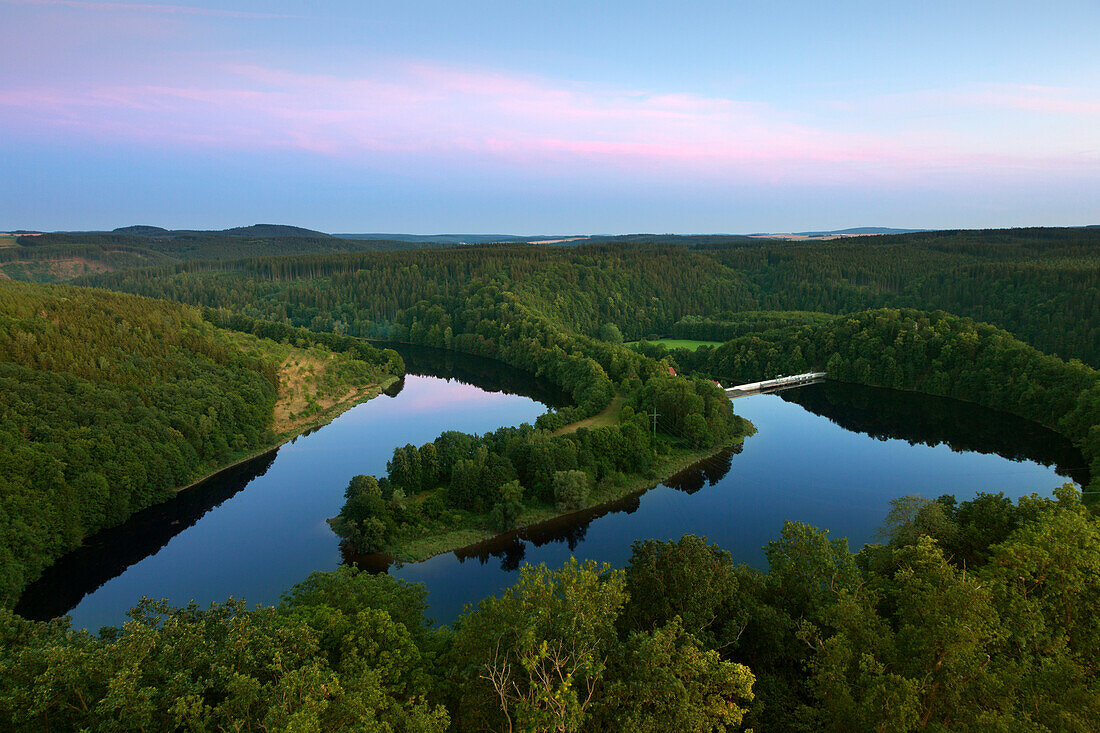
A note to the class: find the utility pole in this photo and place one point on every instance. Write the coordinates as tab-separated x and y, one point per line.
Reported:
654	416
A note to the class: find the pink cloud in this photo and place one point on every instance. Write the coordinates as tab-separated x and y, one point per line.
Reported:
1060	101
429	113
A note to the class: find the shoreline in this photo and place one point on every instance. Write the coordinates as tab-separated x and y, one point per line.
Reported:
322	419
464	540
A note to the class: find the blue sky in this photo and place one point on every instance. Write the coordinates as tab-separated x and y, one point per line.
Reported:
549	117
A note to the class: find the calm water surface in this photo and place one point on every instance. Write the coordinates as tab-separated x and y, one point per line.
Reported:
256	530
802	465
831	455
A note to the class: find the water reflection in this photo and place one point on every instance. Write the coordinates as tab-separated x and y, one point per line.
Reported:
887	414
487	374
108	553
568	529
269	530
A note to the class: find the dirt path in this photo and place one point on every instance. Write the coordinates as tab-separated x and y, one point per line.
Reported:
609	416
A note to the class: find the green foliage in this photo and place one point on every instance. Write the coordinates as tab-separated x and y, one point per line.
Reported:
342	653
507	510
687	580
570	489
914	635
935	353
663	680
534	657
107	403
610	332
908	636
366	519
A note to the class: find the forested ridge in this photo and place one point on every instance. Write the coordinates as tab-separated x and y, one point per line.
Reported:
108	402
62	256
1041	285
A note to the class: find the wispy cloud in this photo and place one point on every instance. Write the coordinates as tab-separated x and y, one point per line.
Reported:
430	112
146	8
1051	100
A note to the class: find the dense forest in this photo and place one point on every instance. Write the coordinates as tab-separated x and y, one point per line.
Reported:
62	256
109	402
974	615
977	615
934	353
1041	285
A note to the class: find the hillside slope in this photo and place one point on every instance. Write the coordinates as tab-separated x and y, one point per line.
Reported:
110	402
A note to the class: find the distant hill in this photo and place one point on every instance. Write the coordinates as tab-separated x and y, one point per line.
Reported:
858	230
256	230
62	256
140	230
463	238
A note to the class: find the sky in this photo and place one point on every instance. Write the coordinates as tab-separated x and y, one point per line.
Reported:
549	117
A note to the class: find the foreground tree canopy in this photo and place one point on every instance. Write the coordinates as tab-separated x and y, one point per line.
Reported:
974	615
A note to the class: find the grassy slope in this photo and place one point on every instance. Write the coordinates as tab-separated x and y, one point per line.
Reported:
316	386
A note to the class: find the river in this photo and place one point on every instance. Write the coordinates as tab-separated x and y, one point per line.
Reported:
831	455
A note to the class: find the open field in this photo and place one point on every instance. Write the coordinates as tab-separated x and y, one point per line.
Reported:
680	343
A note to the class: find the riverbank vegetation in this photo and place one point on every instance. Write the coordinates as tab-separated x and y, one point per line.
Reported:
477	486
975	615
934	353
110	402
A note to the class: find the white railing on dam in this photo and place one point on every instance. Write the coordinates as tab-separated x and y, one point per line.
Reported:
778	383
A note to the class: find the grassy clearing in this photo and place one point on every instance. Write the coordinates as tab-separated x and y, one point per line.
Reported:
680	343
315	387
7	242
608	417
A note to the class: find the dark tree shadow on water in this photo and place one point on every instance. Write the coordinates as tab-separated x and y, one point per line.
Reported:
107	554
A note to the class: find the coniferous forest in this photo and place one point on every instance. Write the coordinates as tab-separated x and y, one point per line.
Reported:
975	614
